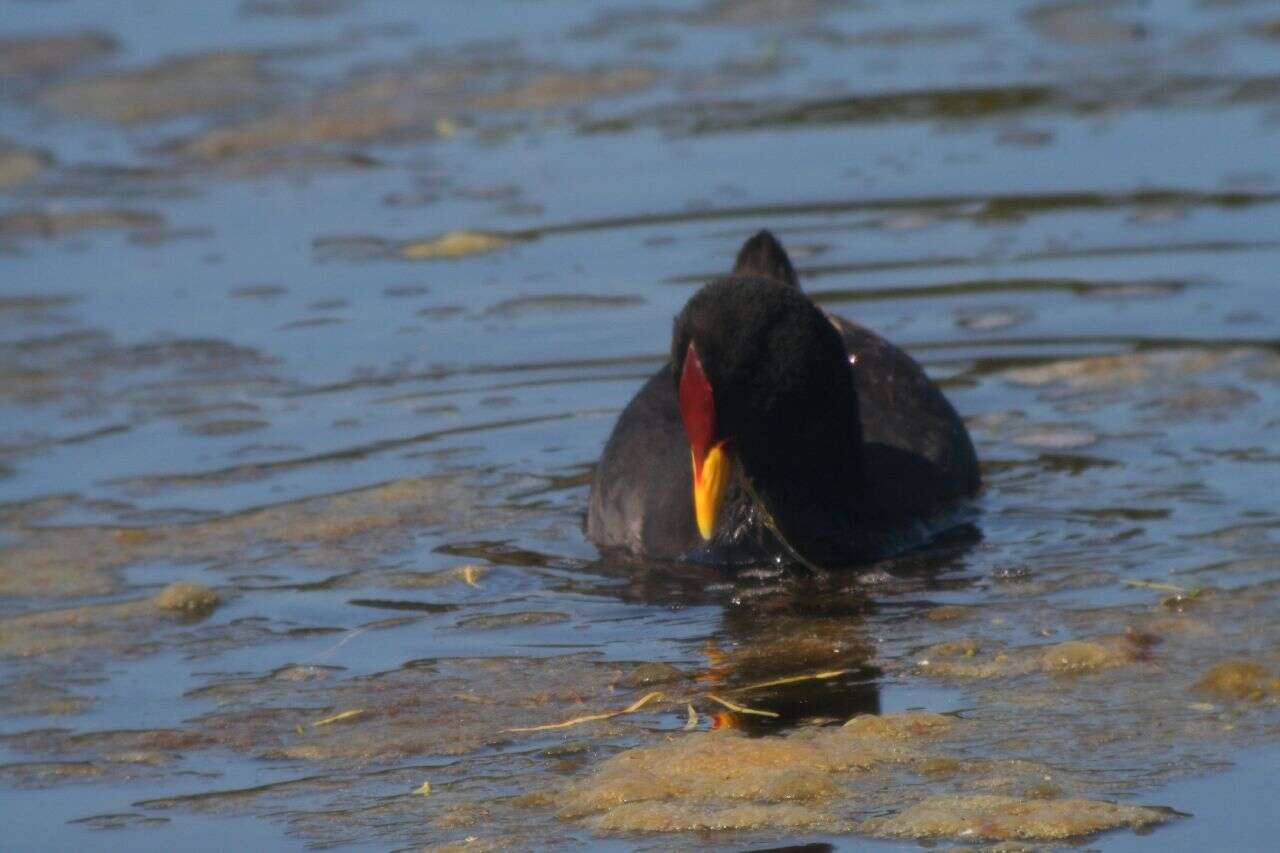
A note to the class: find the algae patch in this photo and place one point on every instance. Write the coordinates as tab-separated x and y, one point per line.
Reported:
39	223
1241	679
175	87
34	698
19	165
1117	371
723	778
996	818
116	627
453	245
46	54
679	817
188	599
426	97
966	658
326	530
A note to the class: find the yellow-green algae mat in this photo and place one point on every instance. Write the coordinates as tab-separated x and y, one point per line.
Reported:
720	780
623	749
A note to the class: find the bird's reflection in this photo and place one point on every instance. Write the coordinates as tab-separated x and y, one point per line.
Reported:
792	645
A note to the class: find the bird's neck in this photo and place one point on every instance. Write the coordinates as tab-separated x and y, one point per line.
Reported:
811	489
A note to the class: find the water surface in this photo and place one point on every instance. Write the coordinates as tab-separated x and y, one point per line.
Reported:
329	306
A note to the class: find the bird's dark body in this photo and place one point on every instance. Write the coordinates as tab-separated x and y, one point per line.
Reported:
910	459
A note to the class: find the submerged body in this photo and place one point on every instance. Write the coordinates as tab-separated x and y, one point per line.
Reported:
840	449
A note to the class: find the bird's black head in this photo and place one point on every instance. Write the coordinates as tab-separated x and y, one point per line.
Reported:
764	383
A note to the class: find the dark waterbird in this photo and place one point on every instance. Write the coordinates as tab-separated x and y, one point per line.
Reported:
806	437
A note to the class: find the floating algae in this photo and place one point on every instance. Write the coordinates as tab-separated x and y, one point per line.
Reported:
1118	371
454	244
118	627
1241	679
426	97
120	820
46	54
40	223
175	87
995	818
40	774
68	561
31	698
555	88
1087	656
521	619
427	708
644	674
900	727
1055	438
187	598
19	165
666	817
723	769
965	658
819	778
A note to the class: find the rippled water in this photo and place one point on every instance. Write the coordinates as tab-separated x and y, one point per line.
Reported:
235	351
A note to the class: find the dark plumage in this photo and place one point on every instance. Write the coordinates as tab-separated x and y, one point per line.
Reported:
841	449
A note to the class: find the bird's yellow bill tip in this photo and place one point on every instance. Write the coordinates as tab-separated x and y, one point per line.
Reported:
709	481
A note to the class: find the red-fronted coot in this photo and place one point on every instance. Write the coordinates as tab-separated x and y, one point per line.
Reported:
778	431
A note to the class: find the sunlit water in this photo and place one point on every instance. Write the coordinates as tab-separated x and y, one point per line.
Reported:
232	374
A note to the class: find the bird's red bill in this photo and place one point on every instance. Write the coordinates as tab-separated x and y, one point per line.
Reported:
697	408
710	459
